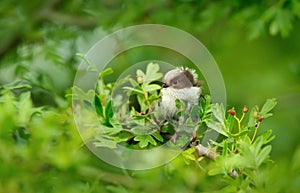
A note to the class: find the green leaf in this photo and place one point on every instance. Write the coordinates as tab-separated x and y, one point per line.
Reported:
274	28
216	171
218	127
295	164
111	130
257	145
269	14
122	136
218	122
17	84
195	111
267	107
247	139
229	123
116	189
91	67
79	94
158	137
247	152
141	76
109	112
105	142
218	112
105	72
252	117
218	167
25	108
281	21
144	140
142	103
263	154
216	144
205	110
296	7
256	28
178	103
140	128
151	87
133	83
267	136
254	154
188	155
152	73
225	148
133	90
98	106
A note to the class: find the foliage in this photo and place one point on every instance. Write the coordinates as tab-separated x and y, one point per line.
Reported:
274	17
113	111
34	142
242	149
41	150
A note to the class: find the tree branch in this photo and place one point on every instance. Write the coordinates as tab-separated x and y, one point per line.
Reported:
65	19
204	151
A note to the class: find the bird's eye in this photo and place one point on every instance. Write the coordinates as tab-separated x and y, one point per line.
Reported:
175	82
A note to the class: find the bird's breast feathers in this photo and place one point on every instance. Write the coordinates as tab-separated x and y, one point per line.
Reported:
191	94
169	95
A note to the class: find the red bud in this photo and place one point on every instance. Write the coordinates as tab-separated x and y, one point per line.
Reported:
231	111
245	109
260	118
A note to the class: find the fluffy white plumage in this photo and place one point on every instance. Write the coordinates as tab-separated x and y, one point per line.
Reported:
179	84
190	95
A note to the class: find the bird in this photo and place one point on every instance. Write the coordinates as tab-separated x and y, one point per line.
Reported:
180	84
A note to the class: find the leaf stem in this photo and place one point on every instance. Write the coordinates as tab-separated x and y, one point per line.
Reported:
146	97
255	132
239	122
242	117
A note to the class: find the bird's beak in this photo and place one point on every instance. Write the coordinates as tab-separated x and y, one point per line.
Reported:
164	85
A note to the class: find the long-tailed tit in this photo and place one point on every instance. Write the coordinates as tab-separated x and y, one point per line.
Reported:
181	84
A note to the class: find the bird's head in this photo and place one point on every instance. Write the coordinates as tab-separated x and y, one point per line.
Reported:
180	78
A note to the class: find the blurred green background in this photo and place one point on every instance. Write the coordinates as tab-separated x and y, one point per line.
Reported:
255	43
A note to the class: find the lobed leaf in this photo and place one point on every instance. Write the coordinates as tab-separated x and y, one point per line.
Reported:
152	72
218	123
144	140
267	107
267	136
218	127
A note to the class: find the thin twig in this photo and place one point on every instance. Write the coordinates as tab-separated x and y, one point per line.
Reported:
67	19
204	151
255	132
